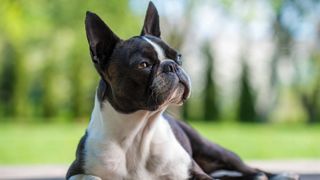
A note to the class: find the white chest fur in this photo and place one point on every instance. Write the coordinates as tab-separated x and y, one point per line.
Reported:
133	147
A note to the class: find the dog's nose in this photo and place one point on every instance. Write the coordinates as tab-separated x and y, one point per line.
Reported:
169	66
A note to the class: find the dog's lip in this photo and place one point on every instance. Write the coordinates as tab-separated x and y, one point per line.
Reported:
184	80
186	92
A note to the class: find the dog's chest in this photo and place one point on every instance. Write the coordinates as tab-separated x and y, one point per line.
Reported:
155	156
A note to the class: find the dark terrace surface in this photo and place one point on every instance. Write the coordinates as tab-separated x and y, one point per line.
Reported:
308	169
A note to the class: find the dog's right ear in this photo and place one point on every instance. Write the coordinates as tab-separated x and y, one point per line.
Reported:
101	40
151	25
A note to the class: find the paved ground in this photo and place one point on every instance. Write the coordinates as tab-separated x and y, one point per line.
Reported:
309	170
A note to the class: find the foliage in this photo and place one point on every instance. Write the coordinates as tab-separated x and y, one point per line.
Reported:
45	66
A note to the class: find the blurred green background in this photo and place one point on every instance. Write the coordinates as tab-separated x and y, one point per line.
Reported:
254	65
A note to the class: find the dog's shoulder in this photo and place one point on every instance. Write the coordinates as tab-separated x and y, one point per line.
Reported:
179	132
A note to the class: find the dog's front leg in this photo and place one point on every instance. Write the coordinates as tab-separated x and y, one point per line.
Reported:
84	177
197	173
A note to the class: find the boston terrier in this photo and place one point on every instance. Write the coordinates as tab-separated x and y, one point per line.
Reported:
129	136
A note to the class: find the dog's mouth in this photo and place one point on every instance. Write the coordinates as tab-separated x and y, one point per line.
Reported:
185	81
169	88
181	92
186	93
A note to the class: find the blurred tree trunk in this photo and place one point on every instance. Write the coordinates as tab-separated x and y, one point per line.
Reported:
311	101
310	104
48	104
283	45
20	93
78	102
246	108
8	79
211	111
13	84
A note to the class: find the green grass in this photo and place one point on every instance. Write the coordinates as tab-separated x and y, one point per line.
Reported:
265	141
56	143
39	143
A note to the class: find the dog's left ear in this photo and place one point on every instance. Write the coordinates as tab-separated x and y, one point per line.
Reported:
151	24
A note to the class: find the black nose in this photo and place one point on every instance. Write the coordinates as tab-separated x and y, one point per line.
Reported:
169	66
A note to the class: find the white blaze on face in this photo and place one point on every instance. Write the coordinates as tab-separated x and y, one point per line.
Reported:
157	48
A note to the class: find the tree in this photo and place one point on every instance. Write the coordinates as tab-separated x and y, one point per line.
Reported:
211	111
7	80
45	66
284	33
246	108
310	100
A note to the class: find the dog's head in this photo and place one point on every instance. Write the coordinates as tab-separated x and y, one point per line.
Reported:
141	73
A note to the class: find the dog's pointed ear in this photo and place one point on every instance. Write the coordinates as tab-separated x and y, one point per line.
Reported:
101	39
151	24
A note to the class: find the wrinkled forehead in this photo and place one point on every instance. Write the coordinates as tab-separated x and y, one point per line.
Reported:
151	46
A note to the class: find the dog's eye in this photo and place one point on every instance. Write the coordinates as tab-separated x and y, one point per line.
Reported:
143	65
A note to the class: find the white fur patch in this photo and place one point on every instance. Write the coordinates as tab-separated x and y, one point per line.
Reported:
157	48
134	146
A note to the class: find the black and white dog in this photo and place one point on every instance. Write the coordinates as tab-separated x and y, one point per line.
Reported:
129	137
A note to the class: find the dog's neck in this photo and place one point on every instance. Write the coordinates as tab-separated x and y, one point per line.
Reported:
125	129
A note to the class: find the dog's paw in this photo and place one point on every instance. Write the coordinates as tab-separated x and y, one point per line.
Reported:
260	176
285	176
84	177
